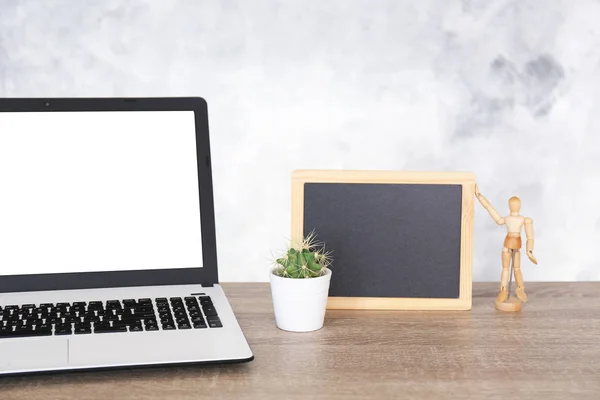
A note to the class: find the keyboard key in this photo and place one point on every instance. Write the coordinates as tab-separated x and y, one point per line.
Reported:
63	327
22	328
49	311
167	322
114	324
210	311
145	314
135	321
109	329
168	326
110	316
95	305
132	322
128	312
79	325
83	330
136	328
199	324
215	323
151	327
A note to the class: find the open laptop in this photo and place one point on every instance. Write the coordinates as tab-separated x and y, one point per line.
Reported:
107	237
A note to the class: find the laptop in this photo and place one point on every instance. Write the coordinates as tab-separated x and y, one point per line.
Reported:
107	237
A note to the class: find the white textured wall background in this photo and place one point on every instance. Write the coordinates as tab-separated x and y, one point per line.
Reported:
508	89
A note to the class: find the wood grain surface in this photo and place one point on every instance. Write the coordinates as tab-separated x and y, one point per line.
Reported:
551	350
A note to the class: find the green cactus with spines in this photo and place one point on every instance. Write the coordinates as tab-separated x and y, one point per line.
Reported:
309	260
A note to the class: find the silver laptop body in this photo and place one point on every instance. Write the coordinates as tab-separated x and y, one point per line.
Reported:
107	237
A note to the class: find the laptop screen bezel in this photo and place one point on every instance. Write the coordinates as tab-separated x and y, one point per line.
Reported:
206	276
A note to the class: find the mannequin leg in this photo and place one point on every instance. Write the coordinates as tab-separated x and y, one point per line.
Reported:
503	296
520	292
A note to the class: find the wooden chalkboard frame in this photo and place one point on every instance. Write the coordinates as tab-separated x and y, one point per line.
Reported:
466	179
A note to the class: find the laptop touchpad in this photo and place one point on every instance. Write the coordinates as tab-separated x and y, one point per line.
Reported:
33	354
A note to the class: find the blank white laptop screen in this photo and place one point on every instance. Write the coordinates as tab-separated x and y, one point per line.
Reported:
98	191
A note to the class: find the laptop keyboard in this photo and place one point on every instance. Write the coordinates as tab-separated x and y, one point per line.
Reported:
97	317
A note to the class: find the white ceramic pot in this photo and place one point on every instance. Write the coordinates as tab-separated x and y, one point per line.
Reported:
300	303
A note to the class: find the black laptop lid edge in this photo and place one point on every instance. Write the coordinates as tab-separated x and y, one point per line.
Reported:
206	276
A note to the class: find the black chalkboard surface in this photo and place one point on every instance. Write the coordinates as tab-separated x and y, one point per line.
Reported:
400	240
393	230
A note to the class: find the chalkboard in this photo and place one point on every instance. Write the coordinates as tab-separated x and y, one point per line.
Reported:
400	240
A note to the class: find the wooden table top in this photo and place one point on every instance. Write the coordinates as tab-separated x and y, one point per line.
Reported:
550	349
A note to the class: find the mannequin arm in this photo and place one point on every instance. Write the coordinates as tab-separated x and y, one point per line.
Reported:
488	206
529	234
530	241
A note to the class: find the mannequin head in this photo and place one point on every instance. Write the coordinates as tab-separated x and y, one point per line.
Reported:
514	204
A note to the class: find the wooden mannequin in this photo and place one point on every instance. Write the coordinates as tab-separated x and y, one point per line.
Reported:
512	250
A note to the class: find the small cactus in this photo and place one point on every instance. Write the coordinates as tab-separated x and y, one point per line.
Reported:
309	260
